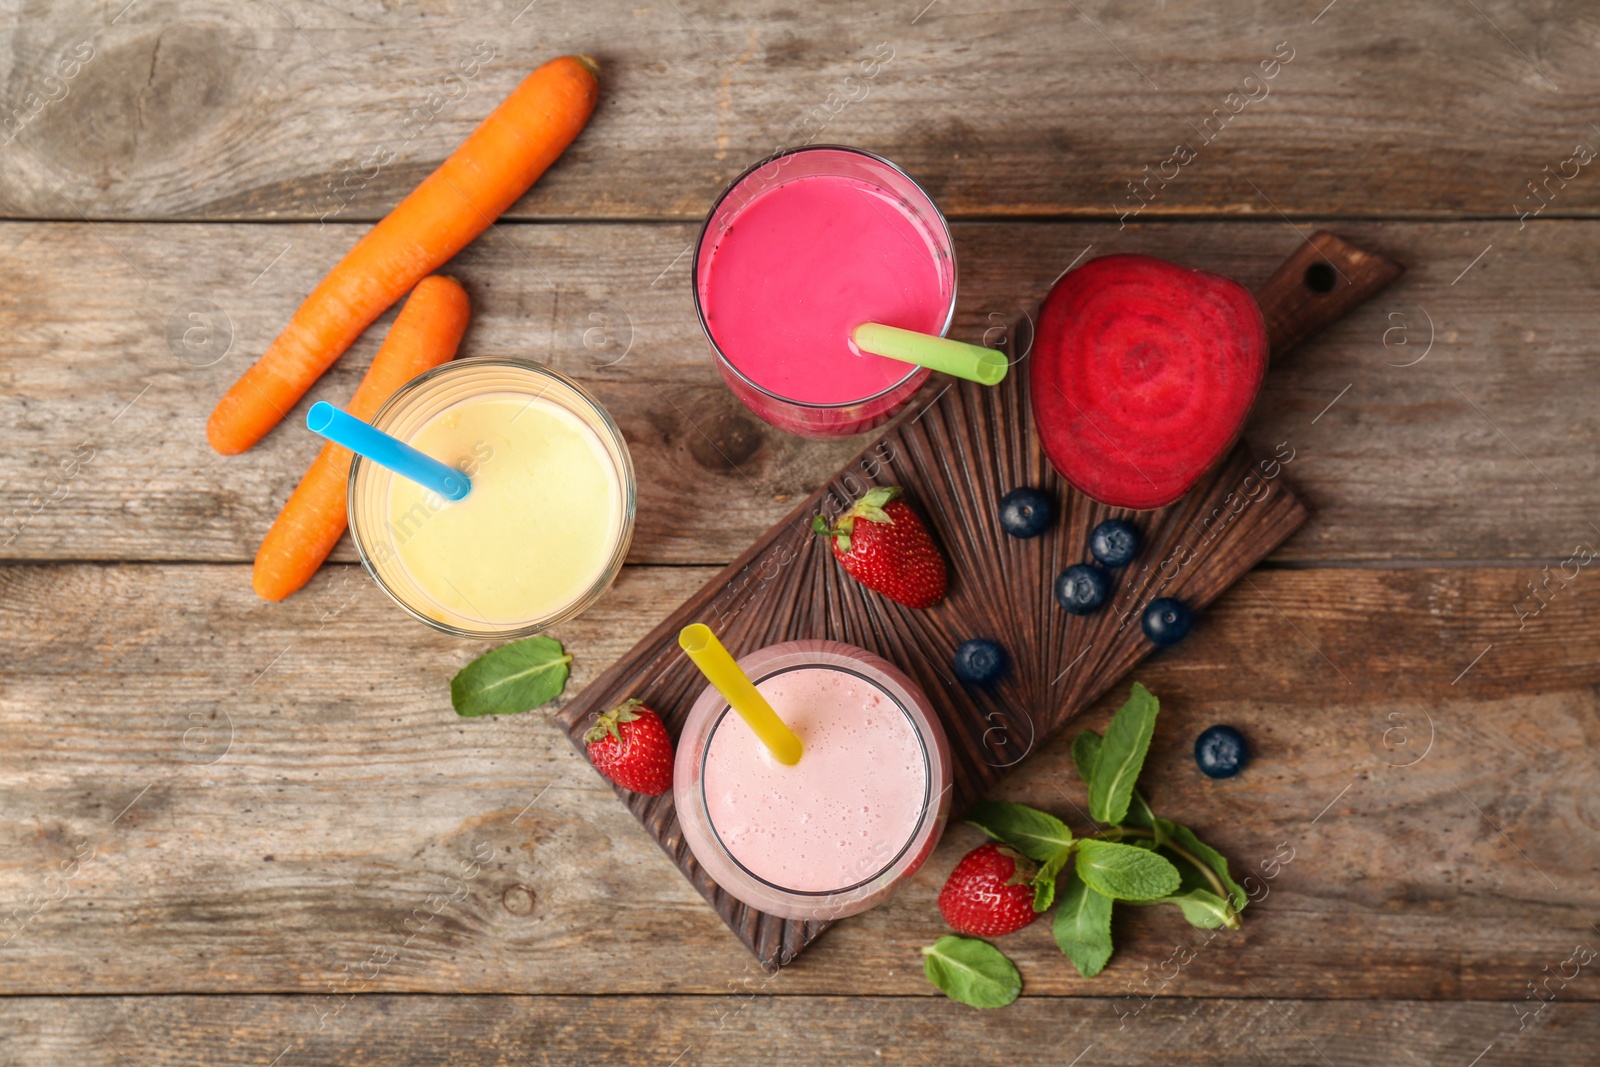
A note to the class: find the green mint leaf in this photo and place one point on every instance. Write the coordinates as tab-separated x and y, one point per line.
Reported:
1121	756
1184	838
1202	908
971	971
1044	883
1085	750
1141	814
1124	872
1083	927
512	678
1036	834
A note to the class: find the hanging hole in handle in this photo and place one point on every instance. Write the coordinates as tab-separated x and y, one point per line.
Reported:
1320	277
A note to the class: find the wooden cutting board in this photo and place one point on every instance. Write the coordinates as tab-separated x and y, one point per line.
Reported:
956	453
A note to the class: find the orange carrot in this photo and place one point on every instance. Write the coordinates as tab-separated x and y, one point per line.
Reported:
480	180
425	334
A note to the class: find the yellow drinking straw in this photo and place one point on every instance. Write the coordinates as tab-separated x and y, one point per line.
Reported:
739	691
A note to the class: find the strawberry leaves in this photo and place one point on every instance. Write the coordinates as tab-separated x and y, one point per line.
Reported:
1138	857
872	503
870	507
608	723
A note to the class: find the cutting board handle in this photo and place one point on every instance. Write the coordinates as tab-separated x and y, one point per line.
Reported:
1326	277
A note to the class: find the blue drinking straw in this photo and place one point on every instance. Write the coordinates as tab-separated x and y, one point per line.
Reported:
370	443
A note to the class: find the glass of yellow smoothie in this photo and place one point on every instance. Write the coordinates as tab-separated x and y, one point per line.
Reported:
547	523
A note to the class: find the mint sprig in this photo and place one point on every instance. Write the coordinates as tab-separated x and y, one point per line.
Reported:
1137	857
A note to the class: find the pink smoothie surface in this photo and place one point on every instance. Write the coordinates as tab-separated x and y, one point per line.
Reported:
800	267
841	814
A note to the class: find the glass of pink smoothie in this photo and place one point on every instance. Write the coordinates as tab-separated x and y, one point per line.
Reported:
802	248
836	833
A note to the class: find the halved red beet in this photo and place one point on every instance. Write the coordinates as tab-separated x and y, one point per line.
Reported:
1142	375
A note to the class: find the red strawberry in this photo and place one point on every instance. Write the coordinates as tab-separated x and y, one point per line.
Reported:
989	894
630	746
882	544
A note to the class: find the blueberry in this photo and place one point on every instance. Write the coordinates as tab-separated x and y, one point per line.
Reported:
1081	588
1221	752
1025	512
1166	621
980	661
1115	543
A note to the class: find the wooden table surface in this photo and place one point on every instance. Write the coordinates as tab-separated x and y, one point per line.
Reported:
230	832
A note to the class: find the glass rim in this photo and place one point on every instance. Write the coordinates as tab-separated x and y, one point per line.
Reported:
624	472
772	670
705	226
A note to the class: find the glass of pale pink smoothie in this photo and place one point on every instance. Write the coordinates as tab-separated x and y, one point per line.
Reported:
802	248
836	833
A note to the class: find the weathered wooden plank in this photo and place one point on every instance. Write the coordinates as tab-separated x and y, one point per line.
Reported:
1466	453
200	108
744	1027
278	798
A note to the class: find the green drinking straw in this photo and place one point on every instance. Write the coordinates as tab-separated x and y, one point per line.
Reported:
982	365
372	443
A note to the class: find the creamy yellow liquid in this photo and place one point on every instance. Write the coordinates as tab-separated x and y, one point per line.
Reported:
537	529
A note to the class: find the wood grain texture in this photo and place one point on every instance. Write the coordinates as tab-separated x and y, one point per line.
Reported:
278	796
955	458
1453	399
744	1027
200	108
278	800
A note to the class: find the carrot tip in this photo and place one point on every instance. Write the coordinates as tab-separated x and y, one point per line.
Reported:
268	589
589	63
221	439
